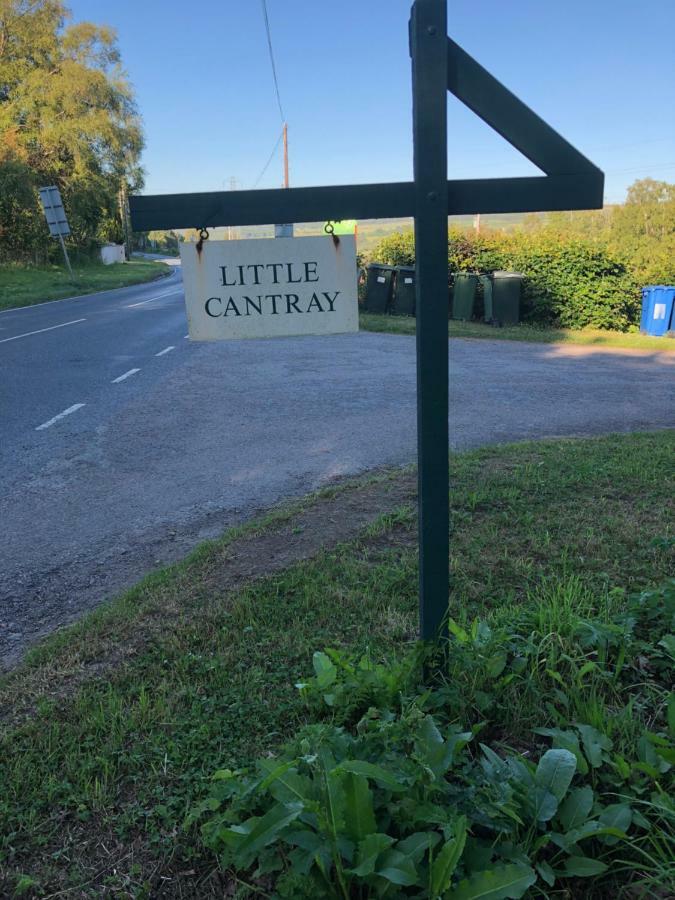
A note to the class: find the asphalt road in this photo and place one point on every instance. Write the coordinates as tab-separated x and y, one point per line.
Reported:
123	444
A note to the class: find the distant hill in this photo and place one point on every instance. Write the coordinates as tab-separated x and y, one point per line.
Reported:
370	230
373	230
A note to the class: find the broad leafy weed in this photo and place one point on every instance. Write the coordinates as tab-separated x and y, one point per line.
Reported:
536	752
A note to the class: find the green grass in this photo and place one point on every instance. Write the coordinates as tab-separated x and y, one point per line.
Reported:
586	336
28	285
94	787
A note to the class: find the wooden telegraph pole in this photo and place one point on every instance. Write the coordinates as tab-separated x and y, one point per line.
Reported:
286	183
285	230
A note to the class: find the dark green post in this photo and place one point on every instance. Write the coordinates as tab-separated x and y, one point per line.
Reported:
429	51
571	182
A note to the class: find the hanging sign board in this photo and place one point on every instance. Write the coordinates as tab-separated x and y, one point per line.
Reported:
270	287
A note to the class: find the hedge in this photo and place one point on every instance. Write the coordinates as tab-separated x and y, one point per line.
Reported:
569	282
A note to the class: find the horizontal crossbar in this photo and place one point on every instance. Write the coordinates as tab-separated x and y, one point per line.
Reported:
362	201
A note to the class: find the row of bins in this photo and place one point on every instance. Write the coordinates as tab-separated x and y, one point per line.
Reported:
501	297
391	289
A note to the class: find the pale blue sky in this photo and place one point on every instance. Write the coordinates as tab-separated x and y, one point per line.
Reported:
602	72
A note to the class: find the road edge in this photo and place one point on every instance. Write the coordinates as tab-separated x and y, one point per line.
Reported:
160	276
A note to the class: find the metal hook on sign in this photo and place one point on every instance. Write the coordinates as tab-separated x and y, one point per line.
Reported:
203	236
329	228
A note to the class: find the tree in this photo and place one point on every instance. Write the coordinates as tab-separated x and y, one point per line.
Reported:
640	232
643	230
67	117
649	210
164	241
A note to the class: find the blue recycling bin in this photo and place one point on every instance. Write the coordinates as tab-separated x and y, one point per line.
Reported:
657	309
646	307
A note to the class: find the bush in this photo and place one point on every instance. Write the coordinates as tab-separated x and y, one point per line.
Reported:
396	249
569	282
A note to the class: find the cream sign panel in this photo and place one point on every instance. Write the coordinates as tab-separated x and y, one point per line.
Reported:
270	288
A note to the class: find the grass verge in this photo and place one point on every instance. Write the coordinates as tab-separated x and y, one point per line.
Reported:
535	754
29	285
528	333
95	785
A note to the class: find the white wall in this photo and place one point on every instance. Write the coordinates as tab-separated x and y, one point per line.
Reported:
112	253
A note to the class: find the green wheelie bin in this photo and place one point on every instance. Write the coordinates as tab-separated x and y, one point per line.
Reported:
506	291
379	284
404	292
463	296
486	284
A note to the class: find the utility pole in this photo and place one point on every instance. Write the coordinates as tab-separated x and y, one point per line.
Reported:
124	219
286	184
284	230
231	233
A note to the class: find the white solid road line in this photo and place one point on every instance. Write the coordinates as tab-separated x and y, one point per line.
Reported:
165	350
126	375
150	299
66	412
40	330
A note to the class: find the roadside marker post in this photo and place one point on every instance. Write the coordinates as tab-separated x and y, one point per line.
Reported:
570	182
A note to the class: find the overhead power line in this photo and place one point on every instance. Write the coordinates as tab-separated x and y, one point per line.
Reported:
648	168
274	68
271	157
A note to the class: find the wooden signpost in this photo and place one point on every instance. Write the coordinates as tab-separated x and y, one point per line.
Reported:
570	182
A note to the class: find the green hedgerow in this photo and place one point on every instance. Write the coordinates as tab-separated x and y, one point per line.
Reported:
569	282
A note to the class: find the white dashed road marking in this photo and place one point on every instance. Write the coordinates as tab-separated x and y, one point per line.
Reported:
40	330
126	375
165	350
66	412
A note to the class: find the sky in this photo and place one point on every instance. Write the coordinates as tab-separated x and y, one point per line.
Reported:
601	72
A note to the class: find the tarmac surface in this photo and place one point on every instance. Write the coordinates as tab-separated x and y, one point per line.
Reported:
123	443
